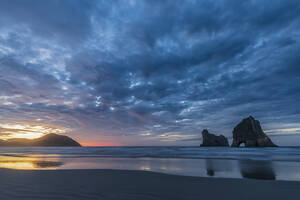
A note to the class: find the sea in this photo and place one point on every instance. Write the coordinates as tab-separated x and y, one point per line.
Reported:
282	163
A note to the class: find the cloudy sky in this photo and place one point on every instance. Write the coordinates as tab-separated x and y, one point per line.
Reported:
149	72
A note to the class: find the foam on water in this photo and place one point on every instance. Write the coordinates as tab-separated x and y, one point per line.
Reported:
273	154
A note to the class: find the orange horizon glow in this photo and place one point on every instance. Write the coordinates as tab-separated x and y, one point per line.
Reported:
99	144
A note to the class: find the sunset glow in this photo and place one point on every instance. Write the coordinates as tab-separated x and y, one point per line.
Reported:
27	130
29	163
99	144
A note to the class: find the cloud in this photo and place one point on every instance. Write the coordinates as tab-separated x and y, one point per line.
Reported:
143	69
27	130
68	20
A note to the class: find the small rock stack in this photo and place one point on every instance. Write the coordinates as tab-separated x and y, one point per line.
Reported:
213	140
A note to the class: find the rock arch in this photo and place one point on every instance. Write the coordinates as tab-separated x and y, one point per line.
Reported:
249	131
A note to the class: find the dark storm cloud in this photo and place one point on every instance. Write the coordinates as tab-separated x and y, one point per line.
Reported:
68	20
158	71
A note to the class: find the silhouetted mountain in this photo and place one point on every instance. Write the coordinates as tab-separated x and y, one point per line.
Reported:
49	140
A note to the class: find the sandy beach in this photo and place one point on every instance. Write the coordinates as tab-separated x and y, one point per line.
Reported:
136	185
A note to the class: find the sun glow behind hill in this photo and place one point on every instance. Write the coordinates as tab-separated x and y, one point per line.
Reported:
27	130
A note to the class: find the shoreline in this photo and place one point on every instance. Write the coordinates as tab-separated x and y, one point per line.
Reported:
280	164
134	184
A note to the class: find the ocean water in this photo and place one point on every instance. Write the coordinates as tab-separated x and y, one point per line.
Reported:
282	163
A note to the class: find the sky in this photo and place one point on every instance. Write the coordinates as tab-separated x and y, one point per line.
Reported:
149	72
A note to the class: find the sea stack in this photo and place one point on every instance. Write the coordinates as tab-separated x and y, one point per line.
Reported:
213	140
249	132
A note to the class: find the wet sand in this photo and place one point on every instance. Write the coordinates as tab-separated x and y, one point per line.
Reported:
136	185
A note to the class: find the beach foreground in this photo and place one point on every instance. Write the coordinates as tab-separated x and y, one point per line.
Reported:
131	185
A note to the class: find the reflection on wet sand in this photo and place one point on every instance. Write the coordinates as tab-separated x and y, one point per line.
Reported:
257	169
191	167
218	168
27	163
209	167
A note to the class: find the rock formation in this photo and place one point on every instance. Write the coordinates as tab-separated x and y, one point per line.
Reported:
251	134
213	140
49	140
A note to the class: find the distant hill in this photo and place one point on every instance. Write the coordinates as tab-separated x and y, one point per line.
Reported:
49	140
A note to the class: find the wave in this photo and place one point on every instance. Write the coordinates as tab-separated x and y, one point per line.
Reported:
273	154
